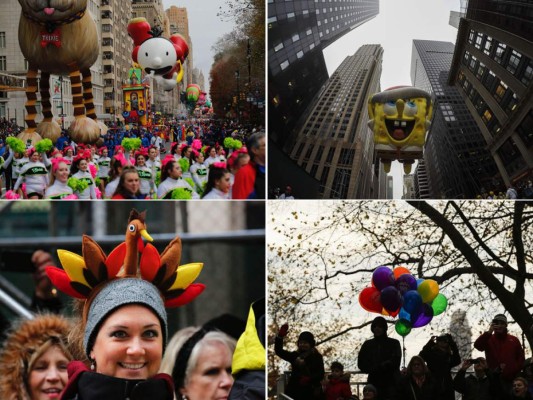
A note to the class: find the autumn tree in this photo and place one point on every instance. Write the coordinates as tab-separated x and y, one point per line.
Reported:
322	254
242	50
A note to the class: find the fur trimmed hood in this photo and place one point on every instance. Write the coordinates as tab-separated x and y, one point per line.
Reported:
24	338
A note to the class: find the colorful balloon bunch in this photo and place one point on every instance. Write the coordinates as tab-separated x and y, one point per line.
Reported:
398	293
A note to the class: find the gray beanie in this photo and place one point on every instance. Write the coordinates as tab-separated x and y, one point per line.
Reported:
117	293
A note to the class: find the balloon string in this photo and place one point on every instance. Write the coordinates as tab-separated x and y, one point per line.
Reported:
403	345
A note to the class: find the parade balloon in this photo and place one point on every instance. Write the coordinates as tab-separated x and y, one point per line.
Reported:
429	289
399	271
411	301
369	300
402	327
193	92
405	282
422	316
399	118
382	277
391	299
439	304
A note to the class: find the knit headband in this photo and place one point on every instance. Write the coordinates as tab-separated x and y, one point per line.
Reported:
182	359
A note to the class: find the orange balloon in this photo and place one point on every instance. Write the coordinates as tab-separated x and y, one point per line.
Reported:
398	271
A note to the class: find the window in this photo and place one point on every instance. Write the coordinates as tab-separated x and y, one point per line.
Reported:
471	36
299	151
488	46
2	40
487	116
479	40
318	155
500	52
500	91
300	54
308	152
284	64
295	38
346	157
528	74
480	71
514	60
323	179
331	152
340	184
308	32
290	15
3	63
278	47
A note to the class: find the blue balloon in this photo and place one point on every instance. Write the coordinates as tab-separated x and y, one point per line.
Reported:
419	281
404	314
405	282
411	301
390	298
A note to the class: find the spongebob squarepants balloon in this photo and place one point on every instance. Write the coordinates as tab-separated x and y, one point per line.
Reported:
400	117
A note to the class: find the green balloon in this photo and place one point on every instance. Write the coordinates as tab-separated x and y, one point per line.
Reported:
403	327
439	304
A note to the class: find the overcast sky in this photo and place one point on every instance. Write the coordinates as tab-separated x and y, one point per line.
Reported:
395	27
205	28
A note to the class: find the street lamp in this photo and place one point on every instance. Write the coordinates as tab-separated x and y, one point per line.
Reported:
237	76
62	109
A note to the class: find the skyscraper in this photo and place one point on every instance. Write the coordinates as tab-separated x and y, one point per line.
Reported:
333	142
298	31
455	158
179	23
493	71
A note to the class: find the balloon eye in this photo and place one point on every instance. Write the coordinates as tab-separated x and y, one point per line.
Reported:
167	53
131	228
410	109
389	108
146	54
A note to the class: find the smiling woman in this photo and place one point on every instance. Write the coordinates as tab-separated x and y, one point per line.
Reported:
33	361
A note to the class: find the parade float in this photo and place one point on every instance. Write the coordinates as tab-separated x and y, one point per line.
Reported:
52	42
136	98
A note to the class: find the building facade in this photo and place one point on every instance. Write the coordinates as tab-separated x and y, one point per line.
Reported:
333	142
455	158
179	23
493	71
116	53
298	31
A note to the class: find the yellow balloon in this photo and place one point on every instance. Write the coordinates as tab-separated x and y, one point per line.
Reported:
428	290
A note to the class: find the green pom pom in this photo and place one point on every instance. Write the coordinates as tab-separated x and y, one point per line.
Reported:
131	143
237	144
77	185
44	145
184	164
97	181
189	181
16	144
157	178
228	143
204	149
181	194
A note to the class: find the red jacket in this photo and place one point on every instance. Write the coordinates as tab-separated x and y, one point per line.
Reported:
502	349
338	388
244	181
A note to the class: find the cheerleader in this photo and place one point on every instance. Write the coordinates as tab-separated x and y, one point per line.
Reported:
218	183
59	187
146	176
153	162
34	174
68	154
174	150
171	178
103	163
17	161
114	176
198	170
212	157
80	170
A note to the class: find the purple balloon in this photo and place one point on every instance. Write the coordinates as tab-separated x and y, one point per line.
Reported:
391	299
405	282
382	277
423	316
412	301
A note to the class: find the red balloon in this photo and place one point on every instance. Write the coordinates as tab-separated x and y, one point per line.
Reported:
369	300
